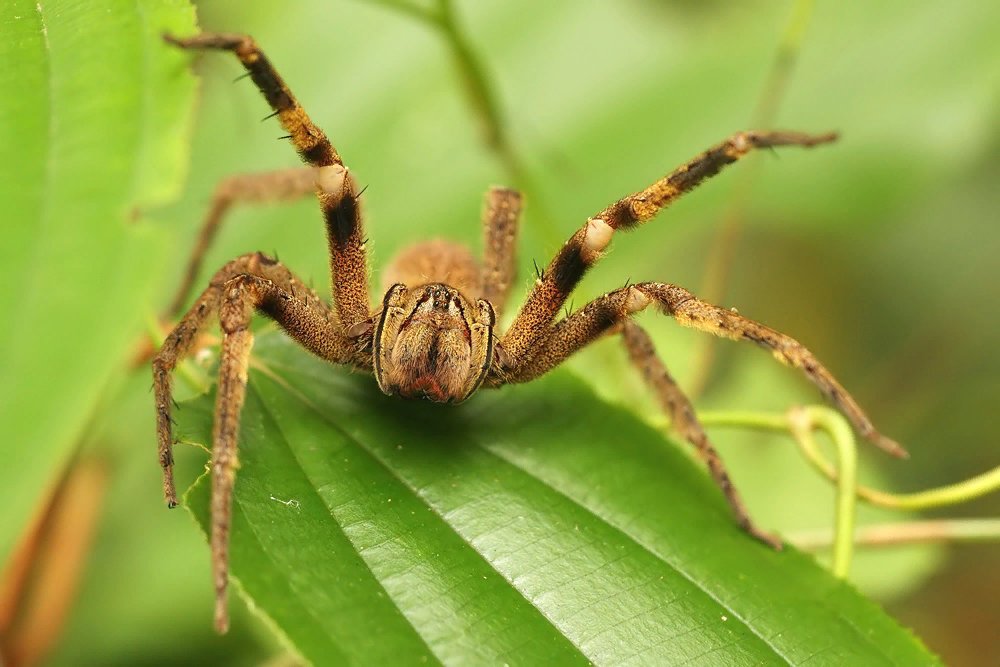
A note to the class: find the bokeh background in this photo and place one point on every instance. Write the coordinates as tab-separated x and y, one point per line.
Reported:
879	252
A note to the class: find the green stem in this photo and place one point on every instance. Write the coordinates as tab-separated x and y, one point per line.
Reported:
483	99
481	94
411	10
942	496
761	421
485	103
784	62
726	241
883	535
803	422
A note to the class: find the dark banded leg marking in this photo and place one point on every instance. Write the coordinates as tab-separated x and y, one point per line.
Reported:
310	142
335	188
585	246
611	310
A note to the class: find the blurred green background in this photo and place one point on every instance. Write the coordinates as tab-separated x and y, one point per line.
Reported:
879	252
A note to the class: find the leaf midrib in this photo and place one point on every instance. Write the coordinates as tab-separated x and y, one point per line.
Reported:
361	448
489	451
275	426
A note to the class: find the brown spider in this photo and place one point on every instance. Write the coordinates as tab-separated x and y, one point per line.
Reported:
433	335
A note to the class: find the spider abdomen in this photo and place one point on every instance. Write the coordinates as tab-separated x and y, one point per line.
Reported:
435	261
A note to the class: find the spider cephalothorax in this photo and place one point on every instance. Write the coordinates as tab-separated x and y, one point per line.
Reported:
431	342
434	335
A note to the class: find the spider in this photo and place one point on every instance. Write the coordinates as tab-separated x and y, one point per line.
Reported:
434	334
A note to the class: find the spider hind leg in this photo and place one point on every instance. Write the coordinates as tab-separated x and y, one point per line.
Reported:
685	422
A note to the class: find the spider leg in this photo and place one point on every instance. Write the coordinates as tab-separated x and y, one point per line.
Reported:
685	422
235	313
298	309
607	312
585	246
500	218
270	186
249	283
335	187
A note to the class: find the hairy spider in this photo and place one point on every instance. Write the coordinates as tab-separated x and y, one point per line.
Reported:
434	333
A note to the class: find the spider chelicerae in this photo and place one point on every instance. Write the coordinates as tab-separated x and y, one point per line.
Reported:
433	335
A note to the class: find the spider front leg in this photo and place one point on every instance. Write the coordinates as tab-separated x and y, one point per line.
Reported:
335	187
250	283
601	315
584	248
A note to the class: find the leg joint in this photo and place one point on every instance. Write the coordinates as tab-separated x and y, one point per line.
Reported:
596	237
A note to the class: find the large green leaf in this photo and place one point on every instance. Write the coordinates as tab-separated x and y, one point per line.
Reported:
601	97
92	131
533	525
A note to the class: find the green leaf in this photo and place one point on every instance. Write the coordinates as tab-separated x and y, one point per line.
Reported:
92	131
532	525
